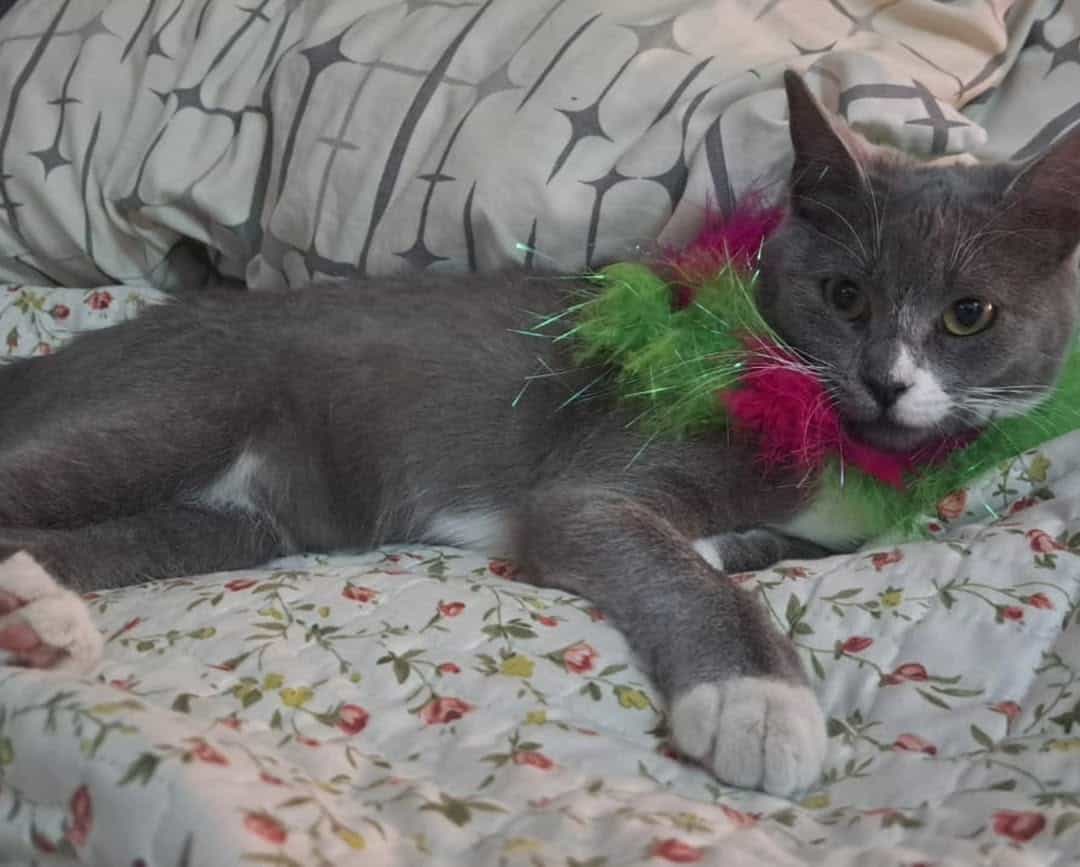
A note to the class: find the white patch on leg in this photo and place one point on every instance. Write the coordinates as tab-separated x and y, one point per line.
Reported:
232	490
58	616
709	551
925	402
21	575
487	532
753	732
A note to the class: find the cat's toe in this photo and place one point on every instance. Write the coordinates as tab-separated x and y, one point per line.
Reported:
44	625
753	732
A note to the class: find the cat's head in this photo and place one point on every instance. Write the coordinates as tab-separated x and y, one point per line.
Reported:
933	297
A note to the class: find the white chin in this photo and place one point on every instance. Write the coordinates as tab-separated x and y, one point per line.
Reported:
920	416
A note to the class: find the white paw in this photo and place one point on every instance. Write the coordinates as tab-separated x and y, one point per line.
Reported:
753	732
44	625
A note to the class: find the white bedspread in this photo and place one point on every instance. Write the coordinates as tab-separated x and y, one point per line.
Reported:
302	140
420	706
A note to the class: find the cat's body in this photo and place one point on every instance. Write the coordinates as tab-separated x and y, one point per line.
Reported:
346	418
222	432
219	433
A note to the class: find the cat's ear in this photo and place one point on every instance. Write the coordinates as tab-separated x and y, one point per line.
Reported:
826	153
1043	196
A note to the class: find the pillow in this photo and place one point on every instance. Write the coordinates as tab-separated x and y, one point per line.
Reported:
290	142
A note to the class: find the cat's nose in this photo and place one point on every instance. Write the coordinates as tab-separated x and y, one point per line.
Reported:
885	391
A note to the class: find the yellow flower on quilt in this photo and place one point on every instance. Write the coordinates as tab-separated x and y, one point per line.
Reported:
517	666
536	718
818	801
1037	469
519	845
632	698
892	598
354	840
295	696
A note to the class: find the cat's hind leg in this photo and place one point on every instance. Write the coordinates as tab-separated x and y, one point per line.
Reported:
44	622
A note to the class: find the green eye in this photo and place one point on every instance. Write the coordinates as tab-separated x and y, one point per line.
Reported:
846	298
968	316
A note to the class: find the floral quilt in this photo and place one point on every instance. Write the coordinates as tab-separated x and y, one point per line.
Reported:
421	706
424	706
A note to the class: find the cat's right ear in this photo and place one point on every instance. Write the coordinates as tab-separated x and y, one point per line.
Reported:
825	161
1043	197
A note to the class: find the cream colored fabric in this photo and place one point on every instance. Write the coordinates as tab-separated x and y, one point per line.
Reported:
297	141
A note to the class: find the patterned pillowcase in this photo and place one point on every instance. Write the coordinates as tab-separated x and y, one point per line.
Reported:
302	141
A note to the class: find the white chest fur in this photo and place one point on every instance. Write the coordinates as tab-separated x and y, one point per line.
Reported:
829	520
485	531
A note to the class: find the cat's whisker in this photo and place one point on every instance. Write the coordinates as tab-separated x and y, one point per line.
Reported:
1001	407
877	215
800	363
1003	389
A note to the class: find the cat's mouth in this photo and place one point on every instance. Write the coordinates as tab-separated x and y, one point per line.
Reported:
918	443
904	423
892	436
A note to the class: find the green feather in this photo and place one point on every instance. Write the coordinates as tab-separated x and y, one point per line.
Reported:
671	364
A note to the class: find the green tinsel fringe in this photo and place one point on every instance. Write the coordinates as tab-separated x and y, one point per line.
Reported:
671	363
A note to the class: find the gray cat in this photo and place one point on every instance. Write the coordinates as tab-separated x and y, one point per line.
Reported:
219	433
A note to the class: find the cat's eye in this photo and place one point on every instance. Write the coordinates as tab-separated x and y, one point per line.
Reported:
845	297
969	316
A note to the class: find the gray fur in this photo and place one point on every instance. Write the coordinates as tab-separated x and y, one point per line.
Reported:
363	414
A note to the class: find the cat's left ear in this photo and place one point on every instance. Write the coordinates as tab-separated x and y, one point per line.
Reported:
1044	196
826	160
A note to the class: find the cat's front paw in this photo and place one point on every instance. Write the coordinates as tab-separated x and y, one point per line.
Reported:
754	732
44	625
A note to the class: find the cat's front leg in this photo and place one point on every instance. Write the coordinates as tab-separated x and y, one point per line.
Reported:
738	697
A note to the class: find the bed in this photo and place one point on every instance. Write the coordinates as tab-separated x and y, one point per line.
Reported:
419	705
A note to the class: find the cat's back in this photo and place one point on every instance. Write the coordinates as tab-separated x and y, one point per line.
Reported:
449	321
420	309
463	305
452	321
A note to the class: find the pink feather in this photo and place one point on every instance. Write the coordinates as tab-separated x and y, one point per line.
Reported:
732	239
